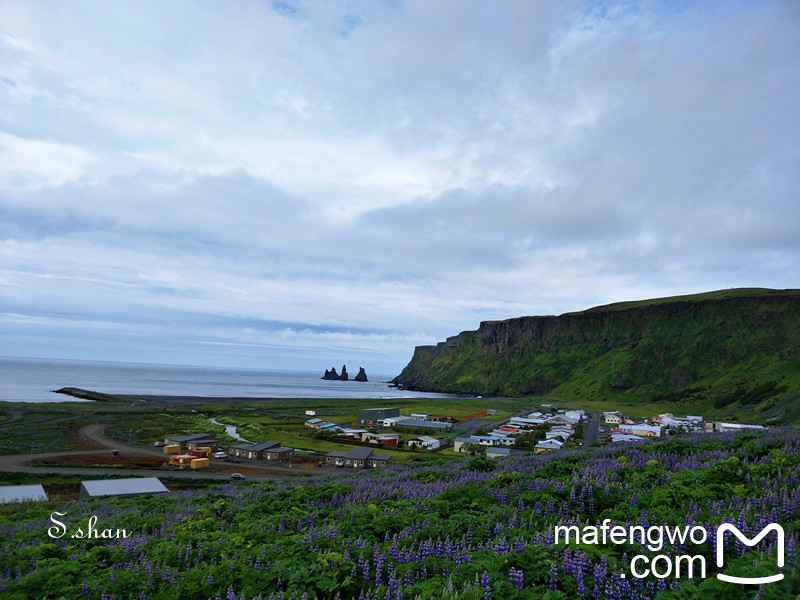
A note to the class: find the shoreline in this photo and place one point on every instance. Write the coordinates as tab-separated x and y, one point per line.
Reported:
167	400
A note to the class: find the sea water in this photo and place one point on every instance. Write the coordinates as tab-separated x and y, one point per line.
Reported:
34	379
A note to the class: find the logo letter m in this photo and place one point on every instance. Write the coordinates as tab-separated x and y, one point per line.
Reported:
726	527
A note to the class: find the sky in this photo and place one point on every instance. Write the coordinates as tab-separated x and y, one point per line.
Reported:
298	185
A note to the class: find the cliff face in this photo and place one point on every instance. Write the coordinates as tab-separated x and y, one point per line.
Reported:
695	347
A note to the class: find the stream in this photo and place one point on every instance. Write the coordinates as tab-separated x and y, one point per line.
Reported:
229	429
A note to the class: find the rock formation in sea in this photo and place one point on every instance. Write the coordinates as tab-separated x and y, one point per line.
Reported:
362	375
332	375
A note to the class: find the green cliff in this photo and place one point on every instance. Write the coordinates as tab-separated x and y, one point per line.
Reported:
721	350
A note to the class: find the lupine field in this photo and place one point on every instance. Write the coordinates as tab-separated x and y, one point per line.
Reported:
464	530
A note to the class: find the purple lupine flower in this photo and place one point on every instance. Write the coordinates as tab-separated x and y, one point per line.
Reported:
552	584
516	578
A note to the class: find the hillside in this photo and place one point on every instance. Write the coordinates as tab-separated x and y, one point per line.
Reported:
733	352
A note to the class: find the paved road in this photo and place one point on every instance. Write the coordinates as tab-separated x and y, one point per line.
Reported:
590	429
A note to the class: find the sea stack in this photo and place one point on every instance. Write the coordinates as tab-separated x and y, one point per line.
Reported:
332	375
362	375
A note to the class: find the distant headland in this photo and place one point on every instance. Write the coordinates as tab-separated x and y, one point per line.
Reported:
332	375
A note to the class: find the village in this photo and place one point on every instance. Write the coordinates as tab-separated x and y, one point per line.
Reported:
380	435
384	428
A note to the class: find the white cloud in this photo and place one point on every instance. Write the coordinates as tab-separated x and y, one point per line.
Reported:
363	174
36	163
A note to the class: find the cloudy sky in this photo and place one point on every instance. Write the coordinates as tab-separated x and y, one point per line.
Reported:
300	184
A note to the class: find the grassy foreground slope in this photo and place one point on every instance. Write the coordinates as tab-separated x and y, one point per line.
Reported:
476	529
732	352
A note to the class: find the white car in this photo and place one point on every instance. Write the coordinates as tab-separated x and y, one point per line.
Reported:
219	455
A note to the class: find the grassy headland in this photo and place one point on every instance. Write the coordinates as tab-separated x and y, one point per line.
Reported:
732	354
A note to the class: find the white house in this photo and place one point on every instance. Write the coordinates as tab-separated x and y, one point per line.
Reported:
392	421
423	441
612	418
736	426
523	423
625	437
548	445
561	420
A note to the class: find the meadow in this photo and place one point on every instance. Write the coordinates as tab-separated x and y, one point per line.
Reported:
467	529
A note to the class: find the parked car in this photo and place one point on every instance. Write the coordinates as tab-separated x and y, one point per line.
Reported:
160	444
220	455
237	477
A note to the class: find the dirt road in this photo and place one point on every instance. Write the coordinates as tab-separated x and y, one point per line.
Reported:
95	433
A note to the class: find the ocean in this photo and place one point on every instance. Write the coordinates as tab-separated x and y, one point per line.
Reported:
33	379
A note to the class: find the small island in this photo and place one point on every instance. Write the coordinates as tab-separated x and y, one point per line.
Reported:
332	375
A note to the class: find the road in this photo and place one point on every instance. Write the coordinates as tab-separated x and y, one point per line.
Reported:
591	434
16	463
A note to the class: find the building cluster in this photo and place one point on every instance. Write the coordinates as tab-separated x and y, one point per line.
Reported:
626	429
388	418
561	428
196	449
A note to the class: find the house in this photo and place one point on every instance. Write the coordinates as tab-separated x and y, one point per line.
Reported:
314	423
575	414
384	439
436	425
358	458
562	429
485	440
419	416
612	418
351	434
641	430
391	421
22	493
371	416
548	446
198	439
561	420
281	454
423	441
625	437
261	451
525	423
722	427
122	487
208	445
498	452
460	443
327	426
